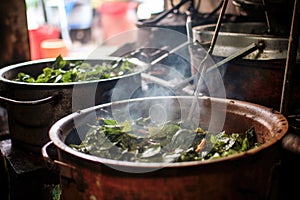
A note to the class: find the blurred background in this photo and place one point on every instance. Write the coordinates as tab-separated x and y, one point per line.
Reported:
82	24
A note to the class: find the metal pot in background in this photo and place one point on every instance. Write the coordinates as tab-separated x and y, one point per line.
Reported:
33	107
258	76
277	14
246	175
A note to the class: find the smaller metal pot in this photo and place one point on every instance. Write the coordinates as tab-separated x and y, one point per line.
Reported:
257	77
33	107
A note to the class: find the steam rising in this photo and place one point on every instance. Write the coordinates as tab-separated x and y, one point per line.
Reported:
150	40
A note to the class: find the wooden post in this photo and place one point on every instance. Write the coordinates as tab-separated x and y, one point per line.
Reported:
14	37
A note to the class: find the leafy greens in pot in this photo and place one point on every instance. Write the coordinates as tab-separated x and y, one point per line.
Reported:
142	141
65	71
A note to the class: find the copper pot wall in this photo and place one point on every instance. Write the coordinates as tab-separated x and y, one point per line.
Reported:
33	107
258	76
242	176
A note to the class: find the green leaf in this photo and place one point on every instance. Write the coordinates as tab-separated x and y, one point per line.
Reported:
56	192
168	142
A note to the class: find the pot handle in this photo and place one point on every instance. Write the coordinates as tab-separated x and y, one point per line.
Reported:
53	98
59	167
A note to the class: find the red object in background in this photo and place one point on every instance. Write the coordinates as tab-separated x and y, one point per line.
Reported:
51	48
114	17
36	36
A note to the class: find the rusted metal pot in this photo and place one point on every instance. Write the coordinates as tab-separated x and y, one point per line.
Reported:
247	175
33	107
258	76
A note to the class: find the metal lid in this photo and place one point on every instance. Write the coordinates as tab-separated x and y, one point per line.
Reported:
235	36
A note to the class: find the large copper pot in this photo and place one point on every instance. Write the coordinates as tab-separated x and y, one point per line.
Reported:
247	175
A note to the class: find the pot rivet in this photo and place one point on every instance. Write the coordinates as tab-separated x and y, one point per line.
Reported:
93	197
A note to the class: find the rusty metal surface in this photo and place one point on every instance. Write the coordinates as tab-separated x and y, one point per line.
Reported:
259	82
259	76
244	176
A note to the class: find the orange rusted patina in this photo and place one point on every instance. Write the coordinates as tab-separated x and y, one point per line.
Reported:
245	175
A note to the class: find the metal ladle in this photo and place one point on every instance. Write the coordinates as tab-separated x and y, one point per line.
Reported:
242	52
210	50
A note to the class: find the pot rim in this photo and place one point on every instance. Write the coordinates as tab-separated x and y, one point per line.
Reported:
56	130
204	29
142	65
230	42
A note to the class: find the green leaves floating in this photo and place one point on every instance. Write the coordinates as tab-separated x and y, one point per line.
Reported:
142	141
65	71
